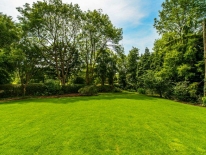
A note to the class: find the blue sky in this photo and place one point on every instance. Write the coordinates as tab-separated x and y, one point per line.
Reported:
136	17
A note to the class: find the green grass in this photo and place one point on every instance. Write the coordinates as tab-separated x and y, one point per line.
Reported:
126	124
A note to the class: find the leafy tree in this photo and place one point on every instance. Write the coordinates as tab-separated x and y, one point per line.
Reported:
106	66
143	65
102	65
178	53
180	16
27	61
122	67
98	34
112	69
132	61
9	36
56	28
157	83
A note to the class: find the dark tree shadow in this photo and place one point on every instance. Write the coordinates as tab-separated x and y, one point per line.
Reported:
68	100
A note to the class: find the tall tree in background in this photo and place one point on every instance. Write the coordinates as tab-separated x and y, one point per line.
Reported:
98	34
132	66
55	27
143	65
179	49
122	67
27	61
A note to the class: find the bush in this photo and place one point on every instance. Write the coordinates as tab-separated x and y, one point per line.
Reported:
10	90
32	89
53	87
88	90
184	91
36	89
116	90
141	91
108	89
79	80
68	89
181	91
105	88
204	101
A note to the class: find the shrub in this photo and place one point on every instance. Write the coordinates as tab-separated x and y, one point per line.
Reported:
116	90
34	89
10	90
204	101
181	91
141	91
69	89
88	90
53	87
184	91
105	88
79	80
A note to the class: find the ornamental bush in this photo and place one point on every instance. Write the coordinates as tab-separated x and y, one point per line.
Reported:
88	90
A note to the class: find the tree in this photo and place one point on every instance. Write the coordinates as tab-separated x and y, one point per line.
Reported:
122	67
102	65
180	16
98	34
27	61
55	27
112	68
9	36
143	65
106	67
157	83
178	53
132	61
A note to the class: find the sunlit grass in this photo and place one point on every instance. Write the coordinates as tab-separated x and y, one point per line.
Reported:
105	124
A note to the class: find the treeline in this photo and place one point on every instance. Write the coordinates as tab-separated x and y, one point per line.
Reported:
58	42
176	67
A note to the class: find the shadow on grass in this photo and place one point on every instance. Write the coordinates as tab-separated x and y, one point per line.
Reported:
68	100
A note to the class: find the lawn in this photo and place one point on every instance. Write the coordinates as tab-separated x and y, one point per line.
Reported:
109	124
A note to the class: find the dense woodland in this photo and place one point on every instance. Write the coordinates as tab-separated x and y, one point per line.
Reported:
56	48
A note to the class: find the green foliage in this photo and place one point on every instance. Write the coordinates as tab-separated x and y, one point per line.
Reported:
178	54
33	89
181	91
107	89
78	80
10	90
132	66
122	69
53	87
204	101
184	91
141	91
88	90
8	31
8	37
5	76
47	23
116	90
72	88
36	89
156	82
